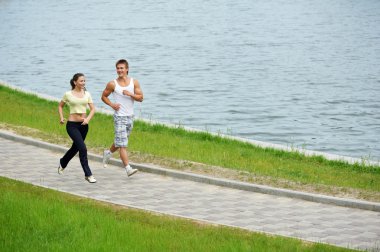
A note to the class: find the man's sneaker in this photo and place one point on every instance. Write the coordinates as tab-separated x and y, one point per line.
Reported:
106	158
91	179
60	169
130	171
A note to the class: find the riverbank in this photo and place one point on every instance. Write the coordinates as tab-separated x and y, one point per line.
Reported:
198	152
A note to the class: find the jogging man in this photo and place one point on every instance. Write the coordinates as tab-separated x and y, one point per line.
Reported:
125	91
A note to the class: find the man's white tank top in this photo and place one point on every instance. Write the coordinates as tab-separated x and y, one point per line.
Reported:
125	101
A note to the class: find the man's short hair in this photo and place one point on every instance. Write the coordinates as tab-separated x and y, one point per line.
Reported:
123	61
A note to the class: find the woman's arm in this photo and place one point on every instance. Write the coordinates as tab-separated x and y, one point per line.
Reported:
60	111
90	115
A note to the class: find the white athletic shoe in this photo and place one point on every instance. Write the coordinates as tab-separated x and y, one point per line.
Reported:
106	158
90	179
60	169
130	171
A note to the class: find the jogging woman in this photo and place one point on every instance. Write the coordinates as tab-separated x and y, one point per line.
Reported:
77	125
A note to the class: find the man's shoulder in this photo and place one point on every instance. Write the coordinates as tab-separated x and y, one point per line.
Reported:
111	84
135	81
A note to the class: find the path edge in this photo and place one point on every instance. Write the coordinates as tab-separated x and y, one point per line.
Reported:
323	199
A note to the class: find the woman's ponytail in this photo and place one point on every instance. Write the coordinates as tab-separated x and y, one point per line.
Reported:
75	78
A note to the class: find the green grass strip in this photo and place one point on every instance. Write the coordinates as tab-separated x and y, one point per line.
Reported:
28	110
37	219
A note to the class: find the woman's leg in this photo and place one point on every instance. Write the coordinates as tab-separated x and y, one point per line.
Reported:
77	133
83	129
70	128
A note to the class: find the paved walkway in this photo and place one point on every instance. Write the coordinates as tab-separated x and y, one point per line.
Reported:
341	226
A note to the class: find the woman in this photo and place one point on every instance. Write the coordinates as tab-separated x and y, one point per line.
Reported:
77	125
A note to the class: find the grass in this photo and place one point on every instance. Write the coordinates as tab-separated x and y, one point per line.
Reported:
37	219
170	146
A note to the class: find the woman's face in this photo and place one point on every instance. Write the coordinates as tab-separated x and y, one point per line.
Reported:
80	82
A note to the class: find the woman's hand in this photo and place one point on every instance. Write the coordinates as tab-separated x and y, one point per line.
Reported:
62	121
85	121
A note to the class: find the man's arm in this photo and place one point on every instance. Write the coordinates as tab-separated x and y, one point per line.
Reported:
107	91
138	95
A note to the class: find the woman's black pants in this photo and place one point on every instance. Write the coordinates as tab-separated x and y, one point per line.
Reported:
77	133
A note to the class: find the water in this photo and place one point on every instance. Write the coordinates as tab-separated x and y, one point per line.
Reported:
294	72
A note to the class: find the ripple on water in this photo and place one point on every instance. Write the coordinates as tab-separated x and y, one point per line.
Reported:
244	73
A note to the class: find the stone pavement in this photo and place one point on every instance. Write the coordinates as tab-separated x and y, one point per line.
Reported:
341	226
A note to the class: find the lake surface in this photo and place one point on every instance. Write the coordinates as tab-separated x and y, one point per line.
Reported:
294	72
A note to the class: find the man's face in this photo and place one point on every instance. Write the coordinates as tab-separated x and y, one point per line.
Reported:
121	70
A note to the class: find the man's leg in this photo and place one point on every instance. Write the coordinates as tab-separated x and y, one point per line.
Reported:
124	156
119	128
113	148
107	154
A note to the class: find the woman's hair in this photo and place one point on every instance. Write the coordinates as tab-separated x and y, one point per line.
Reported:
75	78
123	61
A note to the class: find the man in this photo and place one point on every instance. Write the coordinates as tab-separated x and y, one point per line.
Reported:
125	91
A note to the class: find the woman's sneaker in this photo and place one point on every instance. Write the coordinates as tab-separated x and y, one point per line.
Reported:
106	158
91	179
60	169
130	171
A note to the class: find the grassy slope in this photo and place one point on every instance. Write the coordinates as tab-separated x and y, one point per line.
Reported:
38	219
158	140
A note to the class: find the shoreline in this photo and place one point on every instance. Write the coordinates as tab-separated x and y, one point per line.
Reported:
262	144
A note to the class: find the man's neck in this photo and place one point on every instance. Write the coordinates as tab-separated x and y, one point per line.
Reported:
122	80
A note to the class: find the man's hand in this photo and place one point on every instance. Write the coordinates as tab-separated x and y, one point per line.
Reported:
115	106
125	92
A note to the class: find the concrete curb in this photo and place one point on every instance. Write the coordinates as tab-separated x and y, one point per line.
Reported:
365	205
